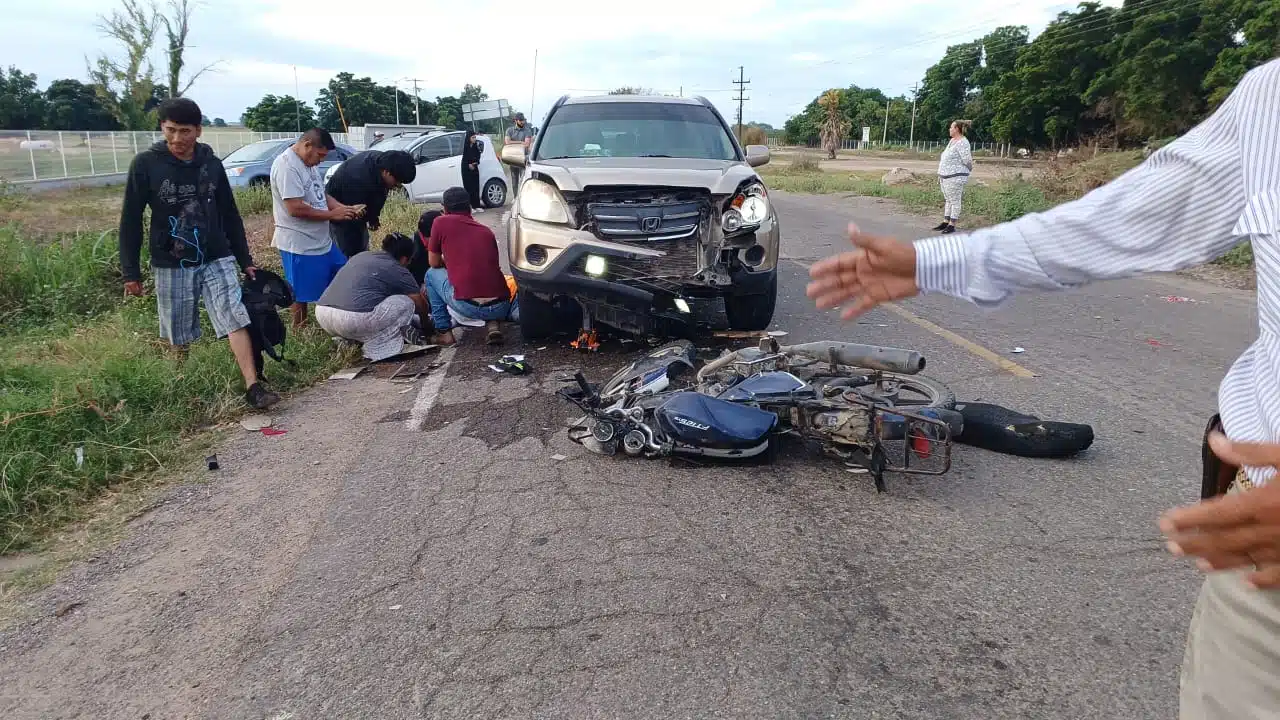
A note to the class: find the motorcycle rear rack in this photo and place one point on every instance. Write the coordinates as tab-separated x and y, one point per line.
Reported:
919	431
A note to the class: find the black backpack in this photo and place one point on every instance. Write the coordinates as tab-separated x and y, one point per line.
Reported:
263	296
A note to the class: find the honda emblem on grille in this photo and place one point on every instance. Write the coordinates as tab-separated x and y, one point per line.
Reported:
650	224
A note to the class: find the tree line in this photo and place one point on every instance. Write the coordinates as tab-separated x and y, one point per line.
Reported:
348	101
1143	72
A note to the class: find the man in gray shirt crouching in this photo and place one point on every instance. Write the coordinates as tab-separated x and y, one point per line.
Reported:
373	299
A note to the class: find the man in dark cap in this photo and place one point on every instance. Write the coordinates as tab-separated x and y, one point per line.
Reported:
523	134
466	273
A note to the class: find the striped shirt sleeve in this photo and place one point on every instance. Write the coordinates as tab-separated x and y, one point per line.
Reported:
1176	210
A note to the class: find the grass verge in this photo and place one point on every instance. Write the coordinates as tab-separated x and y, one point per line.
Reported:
1009	198
90	398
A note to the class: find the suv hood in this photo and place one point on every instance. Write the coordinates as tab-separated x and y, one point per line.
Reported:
720	177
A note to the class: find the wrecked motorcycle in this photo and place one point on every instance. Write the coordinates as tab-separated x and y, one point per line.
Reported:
860	403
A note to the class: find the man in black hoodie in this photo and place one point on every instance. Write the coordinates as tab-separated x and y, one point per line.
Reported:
196	240
366	179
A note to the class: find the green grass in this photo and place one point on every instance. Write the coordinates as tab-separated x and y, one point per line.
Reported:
983	204
81	367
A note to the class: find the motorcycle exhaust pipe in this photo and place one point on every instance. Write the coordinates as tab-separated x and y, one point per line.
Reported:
872	357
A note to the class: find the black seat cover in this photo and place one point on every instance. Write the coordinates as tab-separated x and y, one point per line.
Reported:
695	419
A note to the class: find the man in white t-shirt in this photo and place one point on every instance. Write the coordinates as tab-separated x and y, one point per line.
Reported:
302	213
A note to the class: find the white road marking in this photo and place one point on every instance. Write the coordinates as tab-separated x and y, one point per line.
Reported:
430	391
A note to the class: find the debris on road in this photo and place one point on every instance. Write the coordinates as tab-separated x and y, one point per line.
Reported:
349	373
211	462
272	432
254	423
1176	299
1018	350
1155	343
559	458
395	607
66	608
749	334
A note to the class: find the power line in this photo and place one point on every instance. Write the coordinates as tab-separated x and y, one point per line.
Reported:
742	84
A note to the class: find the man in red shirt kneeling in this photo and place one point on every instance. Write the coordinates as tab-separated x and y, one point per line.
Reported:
466	273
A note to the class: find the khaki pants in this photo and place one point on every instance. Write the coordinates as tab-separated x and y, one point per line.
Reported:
1231	669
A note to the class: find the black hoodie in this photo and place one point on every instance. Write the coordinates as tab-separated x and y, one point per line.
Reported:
194	219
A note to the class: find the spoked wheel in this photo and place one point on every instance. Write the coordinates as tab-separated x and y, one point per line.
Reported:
908	392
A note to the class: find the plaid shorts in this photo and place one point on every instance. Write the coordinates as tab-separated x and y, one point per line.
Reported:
178	294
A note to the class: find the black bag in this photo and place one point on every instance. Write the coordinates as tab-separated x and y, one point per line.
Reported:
263	296
1218	475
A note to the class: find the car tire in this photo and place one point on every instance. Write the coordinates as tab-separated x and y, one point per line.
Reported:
259	182
538	318
752	312
494	193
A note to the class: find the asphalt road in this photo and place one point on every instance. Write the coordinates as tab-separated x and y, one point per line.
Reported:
445	552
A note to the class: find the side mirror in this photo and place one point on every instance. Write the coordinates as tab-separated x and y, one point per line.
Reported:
513	154
757	155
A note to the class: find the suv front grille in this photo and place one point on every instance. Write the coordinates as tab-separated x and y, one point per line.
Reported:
645	221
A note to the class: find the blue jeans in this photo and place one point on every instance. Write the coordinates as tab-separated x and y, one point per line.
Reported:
440	293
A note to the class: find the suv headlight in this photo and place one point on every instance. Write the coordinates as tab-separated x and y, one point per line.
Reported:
747	210
540	201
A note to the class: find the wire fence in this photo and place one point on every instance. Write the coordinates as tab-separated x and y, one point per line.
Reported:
931	147
35	155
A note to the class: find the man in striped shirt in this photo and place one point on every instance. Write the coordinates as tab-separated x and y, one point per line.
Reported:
1212	189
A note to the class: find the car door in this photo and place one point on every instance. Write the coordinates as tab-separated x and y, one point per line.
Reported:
438	169
336	156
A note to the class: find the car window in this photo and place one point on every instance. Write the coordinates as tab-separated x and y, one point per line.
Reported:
455	143
335	155
436	148
257	152
631	129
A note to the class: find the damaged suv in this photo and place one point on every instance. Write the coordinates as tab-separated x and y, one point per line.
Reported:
633	206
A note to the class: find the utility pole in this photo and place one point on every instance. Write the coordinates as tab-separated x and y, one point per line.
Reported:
297	102
742	84
533	91
884	138
915	91
395	90
417	119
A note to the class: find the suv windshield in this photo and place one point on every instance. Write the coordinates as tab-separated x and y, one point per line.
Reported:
257	152
635	129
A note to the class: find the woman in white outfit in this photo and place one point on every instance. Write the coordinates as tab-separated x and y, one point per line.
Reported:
953	173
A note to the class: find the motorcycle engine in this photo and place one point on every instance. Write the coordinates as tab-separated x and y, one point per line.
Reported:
849	427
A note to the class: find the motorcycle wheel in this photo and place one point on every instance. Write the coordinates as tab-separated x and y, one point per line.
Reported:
909	392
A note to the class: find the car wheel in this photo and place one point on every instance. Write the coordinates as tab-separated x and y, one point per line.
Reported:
752	312
259	182
494	193
538	318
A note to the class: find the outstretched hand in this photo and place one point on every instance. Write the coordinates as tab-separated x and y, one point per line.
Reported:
879	269
1240	530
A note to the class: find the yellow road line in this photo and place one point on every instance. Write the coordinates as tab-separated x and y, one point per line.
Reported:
974	348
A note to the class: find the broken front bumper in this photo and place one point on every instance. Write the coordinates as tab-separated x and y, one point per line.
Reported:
643	276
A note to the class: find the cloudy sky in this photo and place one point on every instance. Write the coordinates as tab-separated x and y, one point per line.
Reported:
582	47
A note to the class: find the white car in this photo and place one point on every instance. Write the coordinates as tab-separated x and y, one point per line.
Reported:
439	158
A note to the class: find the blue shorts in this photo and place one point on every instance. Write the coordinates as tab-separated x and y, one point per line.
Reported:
309	275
